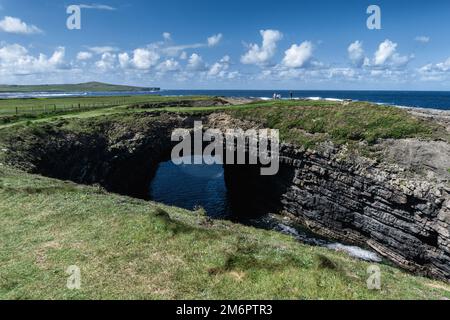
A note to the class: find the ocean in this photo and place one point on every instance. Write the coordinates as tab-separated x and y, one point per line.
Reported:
421	99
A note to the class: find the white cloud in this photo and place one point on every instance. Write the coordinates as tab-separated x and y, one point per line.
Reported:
298	55
143	59
196	63
435	72
107	61
169	65
97	7
84	55
386	50
261	55
422	39
167	36
443	66
102	49
387	56
219	69
124	60
356	53
16	60
15	25
214	40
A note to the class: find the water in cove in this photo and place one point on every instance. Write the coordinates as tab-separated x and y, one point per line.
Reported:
191	186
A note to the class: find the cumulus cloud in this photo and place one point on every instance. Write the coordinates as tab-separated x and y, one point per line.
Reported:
435	72
387	55
84	55
124	60
196	63
169	65
107	61
220	68
298	55
261	55
386	50
16	60
214	40
356	53
143	59
17	26
443	66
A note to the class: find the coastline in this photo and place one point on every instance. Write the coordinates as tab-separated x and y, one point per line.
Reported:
437	101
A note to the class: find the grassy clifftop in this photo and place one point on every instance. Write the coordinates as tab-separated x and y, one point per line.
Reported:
127	248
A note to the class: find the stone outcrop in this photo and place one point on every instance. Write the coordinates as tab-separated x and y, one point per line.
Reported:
405	219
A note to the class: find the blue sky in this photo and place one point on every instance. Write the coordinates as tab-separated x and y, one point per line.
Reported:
200	44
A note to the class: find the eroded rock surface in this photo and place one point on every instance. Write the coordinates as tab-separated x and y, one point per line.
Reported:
403	217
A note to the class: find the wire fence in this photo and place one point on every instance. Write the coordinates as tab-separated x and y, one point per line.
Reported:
56	108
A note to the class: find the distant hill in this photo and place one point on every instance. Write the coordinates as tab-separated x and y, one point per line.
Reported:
80	87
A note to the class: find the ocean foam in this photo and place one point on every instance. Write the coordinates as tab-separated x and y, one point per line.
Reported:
356	252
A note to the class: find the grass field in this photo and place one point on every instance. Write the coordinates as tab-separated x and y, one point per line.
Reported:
40	105
14	110
132	249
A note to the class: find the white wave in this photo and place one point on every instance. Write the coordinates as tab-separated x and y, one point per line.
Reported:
356	252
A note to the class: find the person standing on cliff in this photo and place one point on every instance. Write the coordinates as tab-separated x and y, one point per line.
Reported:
292	95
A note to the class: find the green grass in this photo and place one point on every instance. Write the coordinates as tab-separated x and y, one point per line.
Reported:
309	123
132	249
40	105
18	110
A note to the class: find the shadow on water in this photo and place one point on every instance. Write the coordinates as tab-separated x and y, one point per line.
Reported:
233	193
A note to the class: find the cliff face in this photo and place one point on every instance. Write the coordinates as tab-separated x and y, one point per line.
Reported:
404	218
